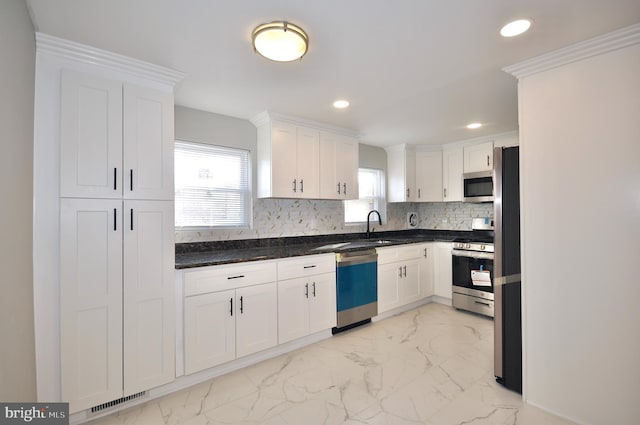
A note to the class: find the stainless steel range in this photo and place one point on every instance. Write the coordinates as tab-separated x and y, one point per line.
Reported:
472	262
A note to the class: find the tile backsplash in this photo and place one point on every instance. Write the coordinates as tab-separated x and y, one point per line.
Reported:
304	217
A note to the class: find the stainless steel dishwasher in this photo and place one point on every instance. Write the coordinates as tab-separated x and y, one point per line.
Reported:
356	288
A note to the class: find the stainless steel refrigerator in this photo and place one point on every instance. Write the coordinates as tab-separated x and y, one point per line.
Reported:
507	280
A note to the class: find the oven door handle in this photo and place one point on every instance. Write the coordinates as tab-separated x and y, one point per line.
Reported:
472	254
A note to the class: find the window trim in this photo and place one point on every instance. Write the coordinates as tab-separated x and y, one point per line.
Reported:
382	198
249	194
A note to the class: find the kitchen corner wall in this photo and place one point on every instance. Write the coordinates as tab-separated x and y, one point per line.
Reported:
290	217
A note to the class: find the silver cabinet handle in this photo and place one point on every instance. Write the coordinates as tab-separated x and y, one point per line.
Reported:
309	267
338	188
306	290
344	189
301	185
425	253
115	179
131	180
294	185
407	193
241	305
488	161
231	308
400	271
418	193
405	271
314	289
445	192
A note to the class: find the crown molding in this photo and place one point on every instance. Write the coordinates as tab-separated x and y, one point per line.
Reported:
266	116
71	50
615	40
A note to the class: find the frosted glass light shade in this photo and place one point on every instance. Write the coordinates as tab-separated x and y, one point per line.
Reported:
280	41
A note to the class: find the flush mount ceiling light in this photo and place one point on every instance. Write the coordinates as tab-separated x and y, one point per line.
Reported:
515	28
474	125
341	104
280	41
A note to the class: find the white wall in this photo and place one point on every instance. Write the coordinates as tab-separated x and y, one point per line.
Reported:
580	178
17	353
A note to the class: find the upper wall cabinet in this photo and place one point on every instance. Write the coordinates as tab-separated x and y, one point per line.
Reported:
338	166
401	174
452	174
429	176
116	140
478	157
299	159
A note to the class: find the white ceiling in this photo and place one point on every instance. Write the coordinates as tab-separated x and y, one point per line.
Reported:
415	71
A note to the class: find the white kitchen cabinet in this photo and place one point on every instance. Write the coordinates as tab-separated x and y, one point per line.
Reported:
306	296
443	272
256	318
427	269
478	157
339	161
116	298
91	301
400	273
209	330
429	176
401	174
116	140
288	161
149	288
452	164
230	311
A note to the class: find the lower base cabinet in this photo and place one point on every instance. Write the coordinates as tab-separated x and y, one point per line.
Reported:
305	306
220	326
443	273
230	311
405	275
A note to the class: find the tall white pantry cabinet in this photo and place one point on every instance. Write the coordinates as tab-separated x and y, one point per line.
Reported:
103	185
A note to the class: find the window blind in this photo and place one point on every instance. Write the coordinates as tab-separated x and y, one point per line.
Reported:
212	186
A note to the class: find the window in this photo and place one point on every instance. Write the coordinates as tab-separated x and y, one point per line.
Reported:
212	186
371	189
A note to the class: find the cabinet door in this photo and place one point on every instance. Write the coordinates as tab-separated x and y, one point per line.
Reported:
293	309
322	302
452	175
90	301
410	288
283	160
478	157
443	270
308	163
149	288
256	318
328	175
410	175
426	270
347	163
388	286
148	143
209	330
429	176
90	137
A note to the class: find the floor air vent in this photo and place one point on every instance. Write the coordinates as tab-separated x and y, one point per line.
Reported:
112	403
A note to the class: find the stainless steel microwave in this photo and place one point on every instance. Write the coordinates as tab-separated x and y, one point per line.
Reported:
477	187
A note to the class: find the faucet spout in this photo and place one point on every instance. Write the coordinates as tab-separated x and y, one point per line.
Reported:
368	235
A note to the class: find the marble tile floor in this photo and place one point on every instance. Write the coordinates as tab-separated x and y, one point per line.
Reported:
432	365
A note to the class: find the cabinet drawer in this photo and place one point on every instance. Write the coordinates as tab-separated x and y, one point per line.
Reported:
219	278
306	266
392	254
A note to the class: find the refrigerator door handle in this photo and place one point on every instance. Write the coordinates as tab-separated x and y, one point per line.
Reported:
504	280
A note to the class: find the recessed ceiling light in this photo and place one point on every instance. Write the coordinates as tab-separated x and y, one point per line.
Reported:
515	28
474	125
280	41
341	104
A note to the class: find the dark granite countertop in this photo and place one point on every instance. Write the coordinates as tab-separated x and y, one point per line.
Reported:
200	254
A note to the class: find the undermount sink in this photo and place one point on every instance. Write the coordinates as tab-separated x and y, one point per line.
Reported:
362	243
